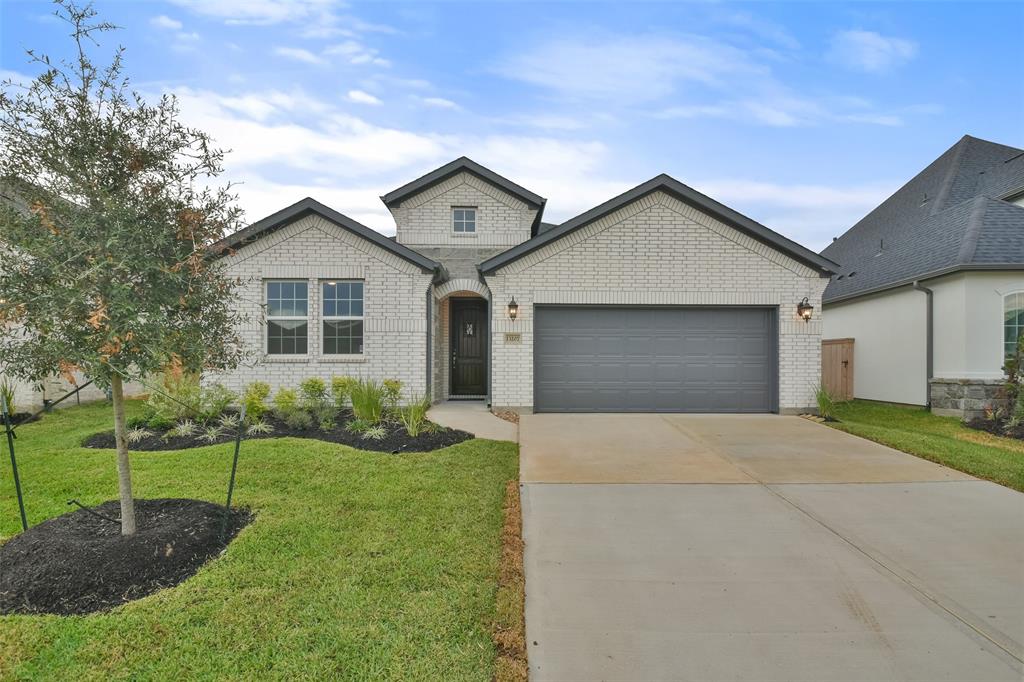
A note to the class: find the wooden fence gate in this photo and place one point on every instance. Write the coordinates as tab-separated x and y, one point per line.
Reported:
837	367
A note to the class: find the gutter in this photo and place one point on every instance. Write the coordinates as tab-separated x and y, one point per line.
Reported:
930	344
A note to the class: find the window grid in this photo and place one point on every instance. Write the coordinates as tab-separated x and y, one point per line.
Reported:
1013	321
342	313
287	317
464	219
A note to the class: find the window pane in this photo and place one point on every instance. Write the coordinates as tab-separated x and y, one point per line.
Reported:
357	290
343	300
343	337
286	337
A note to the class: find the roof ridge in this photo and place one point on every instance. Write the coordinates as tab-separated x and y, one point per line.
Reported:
951	174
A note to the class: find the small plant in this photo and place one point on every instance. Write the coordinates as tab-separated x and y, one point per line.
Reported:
137	435
313	390
392	393
298	419
214	399
7	394
341	390
358	426
229	421
414	416
368	400
184	429
211	434
259	428
826	404
254	398
375	433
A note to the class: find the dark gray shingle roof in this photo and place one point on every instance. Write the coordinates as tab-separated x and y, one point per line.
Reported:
950	216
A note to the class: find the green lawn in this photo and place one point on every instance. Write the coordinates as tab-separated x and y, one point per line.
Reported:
359	565
941	439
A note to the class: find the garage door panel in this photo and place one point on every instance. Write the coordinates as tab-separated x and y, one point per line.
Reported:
654	359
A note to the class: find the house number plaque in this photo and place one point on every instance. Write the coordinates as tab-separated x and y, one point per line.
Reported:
513	337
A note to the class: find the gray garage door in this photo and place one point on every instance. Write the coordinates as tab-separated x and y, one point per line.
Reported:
654	359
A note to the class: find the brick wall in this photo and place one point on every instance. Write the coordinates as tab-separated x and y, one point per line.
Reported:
313	249
657	251
426	218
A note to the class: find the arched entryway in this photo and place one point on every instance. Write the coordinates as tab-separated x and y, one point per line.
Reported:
461	332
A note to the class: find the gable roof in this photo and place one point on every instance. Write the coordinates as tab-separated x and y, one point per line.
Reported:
687	195
309	206
951	216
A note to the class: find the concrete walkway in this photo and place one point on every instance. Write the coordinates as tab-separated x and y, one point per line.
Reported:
473	417
778	549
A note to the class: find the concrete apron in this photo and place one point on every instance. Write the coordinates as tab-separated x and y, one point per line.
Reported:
786	568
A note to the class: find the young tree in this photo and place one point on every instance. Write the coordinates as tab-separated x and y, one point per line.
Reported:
106	240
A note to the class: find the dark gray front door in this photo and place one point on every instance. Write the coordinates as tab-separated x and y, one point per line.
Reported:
468	336
654	359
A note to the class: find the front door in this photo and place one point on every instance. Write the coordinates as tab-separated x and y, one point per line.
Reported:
469	347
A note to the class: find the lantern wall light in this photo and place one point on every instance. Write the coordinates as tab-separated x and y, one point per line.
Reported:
512	309
804	309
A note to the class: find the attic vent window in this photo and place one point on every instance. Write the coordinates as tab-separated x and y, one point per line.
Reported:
464	219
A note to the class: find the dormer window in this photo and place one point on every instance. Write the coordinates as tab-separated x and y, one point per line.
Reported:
464	219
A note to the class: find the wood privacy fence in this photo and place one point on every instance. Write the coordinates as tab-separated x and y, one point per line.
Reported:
837	367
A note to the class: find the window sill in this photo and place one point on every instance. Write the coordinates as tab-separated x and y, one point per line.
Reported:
285	358
464	235
342	358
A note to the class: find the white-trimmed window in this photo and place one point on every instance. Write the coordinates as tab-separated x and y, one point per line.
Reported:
287	317
464	219
1013	321
342	312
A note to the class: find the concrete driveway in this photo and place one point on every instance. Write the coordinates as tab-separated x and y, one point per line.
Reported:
699	547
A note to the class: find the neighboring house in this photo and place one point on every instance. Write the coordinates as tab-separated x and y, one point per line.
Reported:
931	286
660	299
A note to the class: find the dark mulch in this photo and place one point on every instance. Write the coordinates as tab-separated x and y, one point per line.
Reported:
996	427
397	440
22	418
78	563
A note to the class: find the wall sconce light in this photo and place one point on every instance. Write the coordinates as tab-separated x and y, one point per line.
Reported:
804	309
512	309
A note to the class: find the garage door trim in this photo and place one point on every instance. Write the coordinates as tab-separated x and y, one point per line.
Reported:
773	336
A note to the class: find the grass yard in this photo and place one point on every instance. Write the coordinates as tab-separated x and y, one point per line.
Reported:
359	565
940	439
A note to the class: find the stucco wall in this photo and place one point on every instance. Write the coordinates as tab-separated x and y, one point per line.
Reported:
657	251
313	249
426	218
889	334
889	361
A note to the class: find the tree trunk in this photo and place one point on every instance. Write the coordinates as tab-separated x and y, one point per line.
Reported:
124	469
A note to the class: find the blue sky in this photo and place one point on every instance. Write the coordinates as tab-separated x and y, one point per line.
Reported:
804	116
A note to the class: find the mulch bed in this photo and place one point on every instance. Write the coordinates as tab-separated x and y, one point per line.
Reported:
997	427
21	418
79	563
396	441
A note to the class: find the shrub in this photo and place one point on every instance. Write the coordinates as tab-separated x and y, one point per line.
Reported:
392	392
211	434
368	400
285	401
826	404
183	430
214	399
229	422
313	390
254	398
259	428
137	435
341	390
182	397
298	419
316	401
414	416
358	426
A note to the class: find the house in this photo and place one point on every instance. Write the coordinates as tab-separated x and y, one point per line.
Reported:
660	299
931	286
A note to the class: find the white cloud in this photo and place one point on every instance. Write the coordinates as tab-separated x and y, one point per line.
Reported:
298	54
262	12
165	22
870	51
628	68
439	103
355	52
360	97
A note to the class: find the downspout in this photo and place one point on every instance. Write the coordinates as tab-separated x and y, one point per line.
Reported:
930	343
490	341
430	333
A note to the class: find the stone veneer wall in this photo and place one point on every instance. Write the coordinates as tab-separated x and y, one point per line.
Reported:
964	398
657	251
314	249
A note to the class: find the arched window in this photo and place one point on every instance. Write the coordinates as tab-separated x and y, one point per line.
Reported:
1013	321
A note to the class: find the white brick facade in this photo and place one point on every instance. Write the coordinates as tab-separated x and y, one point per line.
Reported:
426	218
657	251
313	249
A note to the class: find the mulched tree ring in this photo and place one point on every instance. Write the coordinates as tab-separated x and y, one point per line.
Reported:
997	427
79	563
